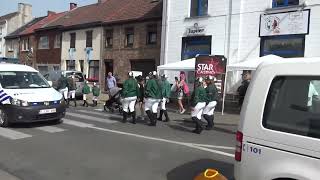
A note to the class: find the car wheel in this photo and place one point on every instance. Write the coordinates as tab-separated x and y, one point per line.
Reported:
4	122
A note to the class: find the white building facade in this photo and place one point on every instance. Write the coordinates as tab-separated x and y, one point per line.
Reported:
240	30
10	23
192	27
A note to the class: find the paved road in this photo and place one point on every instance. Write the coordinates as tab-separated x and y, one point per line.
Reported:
91	144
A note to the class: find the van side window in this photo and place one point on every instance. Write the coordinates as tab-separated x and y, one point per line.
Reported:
293	106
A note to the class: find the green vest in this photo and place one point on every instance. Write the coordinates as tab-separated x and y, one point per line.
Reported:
153	89
199	96
166	89
130	88
95	91
86	89
212	93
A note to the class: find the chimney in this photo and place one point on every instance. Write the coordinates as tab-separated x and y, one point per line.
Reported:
51	13
25	13
101	1
73	6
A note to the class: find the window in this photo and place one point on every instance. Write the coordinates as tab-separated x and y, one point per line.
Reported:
293	106
94	70
199	8
56	68
129	37
89	38
57	41
0	44
152	34
81	62
71	64
72	40
43	69
25	45
284	46
44	42
109	38
282	3
10	45
191	46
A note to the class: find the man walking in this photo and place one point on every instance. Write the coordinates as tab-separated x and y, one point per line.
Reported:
96	94
166	89
63	86
111	81
130	92
153	97
212	97
72	89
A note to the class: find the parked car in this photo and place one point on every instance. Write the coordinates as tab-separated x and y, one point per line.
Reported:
279	132
54	76
26	96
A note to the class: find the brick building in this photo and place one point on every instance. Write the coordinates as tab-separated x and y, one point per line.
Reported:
125	25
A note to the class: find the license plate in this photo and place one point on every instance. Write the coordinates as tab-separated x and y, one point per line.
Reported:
47	111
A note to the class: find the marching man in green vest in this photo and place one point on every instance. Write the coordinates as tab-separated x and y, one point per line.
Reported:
95	93
153	98
199	99
130	93
212	94
85	92
166	90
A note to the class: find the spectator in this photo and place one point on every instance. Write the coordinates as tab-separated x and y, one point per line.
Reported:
246	77
110	81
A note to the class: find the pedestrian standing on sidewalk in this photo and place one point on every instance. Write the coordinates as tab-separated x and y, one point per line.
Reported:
85	92
141	84
199	99
72	89
96	94
212	97
182	90
130	93
166	89
153	98
111	82
63	87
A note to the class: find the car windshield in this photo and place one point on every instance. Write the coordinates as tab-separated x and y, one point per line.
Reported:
22	80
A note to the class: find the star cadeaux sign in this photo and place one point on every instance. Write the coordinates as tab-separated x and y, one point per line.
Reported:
210	66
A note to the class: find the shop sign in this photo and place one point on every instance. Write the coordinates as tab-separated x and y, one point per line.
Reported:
210	65
195	30
285	23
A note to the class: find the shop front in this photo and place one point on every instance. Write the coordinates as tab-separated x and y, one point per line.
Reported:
283	34
195	42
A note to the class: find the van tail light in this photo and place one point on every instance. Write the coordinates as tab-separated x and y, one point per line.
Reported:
239	137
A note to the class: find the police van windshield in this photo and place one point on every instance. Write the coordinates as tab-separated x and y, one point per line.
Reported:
22	80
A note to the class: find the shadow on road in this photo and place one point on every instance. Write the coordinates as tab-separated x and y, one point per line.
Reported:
192	169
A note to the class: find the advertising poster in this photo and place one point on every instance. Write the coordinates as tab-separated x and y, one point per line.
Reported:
212	66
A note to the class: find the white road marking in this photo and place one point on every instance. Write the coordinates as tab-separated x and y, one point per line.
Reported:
90	118
213	146
165	140
7	176
50	129
76	123
97	113
12	134
99	110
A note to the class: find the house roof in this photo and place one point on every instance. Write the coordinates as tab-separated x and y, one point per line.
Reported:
43	22
8	16
110	11
18	32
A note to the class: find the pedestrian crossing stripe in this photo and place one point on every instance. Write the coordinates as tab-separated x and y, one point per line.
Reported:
4	97
50	129
90	118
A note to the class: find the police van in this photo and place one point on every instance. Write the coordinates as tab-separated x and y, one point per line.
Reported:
279	133
26	96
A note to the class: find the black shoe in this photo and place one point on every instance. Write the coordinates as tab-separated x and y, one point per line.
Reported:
133	114
166	115
199	128
84	103
125	116
151	117
155	119
160	116
209	121
75	103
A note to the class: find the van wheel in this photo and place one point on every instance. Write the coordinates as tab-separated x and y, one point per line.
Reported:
4	122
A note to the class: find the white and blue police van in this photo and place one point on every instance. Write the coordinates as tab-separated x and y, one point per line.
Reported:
26	96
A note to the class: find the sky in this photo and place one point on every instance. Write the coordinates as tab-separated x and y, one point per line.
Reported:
40	7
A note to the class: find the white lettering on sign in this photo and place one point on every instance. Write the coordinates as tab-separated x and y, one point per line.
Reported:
205	69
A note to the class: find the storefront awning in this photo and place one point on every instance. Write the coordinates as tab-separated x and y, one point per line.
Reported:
251	64
185	65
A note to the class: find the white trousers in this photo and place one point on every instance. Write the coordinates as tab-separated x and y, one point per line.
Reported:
198	109
209	109
64	92
95	98
72	94
129	104
152	104
84	97
163	103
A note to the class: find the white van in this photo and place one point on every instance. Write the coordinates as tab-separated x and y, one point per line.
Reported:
25	96
279	133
